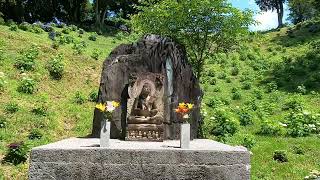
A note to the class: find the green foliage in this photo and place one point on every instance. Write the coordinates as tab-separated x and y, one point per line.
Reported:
55	67
280	156
55	45
245	118
3	122
302	10
212	81
225	124
66	39
93	37
79	48
17	153
66	30
293	104
35	134
234	71
79	98
272	86
26	62
95	54
40	110
93	96
246	85
11	108
300	124
236	95
270	128
3	82
13	27
248	141
27	85
201	27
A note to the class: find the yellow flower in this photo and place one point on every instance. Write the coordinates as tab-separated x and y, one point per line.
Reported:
101	107
115	104
190	106
182	105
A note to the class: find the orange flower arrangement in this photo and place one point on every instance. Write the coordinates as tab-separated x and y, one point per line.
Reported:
184	109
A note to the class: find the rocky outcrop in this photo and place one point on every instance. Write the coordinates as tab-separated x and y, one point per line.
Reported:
153	54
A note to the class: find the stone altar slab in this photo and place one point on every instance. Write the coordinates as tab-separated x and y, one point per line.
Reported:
81	158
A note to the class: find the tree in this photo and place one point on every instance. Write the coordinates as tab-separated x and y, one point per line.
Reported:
301	10
203	26
266	5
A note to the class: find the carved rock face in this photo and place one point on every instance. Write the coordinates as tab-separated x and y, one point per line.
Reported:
151	56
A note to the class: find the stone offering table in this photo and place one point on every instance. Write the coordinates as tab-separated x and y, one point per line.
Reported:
80	158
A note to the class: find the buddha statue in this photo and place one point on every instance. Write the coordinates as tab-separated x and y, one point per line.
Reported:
145	110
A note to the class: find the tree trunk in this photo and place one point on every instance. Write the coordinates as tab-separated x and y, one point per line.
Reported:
103	16
97	14
280	13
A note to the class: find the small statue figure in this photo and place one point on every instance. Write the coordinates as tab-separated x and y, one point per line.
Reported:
144	109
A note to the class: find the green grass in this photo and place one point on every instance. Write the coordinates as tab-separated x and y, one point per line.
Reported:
65	118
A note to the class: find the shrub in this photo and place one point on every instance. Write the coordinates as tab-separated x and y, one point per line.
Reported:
272	86
13	27
302	89
298	150
35	134
47	28
37	29
25	26
213	102
222	75
79	98
27	85
78	48
236	95
280	156
26	62
95	54
228	80
258	94
251	104
17	153
248	141
55	45
66	39
225	125
81	31
234	71
270	128
300	124
212	81
73	27
11	108
246	85
211	72
66	30
245	118
40	111
55	67
3	122
292	104
93	96
216	89
93	37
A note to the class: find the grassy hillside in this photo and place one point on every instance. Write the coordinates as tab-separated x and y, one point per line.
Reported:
269	77
58	108
270	84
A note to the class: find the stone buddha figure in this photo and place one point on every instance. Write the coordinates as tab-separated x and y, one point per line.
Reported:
145	110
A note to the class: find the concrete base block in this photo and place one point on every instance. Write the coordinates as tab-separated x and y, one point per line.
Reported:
79	158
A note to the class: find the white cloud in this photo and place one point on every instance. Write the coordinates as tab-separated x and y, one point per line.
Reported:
267	20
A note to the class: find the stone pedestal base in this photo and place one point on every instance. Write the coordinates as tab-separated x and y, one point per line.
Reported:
79	158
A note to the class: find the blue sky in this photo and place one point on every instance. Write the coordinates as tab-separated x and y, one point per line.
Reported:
268	20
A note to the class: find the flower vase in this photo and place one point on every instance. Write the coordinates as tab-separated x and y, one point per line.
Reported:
105	133
185	136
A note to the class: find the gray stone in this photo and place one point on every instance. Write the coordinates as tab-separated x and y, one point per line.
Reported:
185	136
80	158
